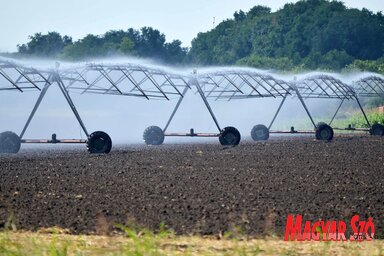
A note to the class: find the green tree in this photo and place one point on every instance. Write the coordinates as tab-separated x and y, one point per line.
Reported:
127	46
90	46
367	65
49	45
174	53
266	63
239	16
258	11
312	33
151	43
336	60
147	42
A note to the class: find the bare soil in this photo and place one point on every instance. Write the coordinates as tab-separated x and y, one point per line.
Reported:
195	188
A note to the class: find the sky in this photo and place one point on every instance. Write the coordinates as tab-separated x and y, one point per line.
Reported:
181	20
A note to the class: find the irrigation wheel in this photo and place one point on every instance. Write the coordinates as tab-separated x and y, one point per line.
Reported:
153	135
324	132
10	142
99	143
377	130
229	136
260	132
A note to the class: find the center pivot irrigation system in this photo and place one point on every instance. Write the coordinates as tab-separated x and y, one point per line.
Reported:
152	83
124	80
371	87
224	85
246	84
315	87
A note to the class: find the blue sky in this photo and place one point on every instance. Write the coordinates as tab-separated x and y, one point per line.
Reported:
176	19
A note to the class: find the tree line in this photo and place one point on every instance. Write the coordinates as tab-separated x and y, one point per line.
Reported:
146	42
309	34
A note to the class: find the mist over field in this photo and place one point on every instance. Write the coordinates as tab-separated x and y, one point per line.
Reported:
125	118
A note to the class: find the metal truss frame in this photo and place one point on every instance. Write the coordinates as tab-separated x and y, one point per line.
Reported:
124	79
371	86
151	83
20	78
245	84
230	85
328	87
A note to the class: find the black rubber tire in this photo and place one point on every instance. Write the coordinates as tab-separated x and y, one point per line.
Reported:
377	130
229	136
260	132
317	126
99	143
324	132
10	142
153	135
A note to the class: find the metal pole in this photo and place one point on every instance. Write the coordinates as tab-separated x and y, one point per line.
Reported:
194	81
37	104
278	110
70	103
304	105
337	111
176	108
362	110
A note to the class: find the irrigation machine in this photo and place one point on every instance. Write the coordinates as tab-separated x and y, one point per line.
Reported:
124	80
247	83
225	85
319	87
371	87
152	83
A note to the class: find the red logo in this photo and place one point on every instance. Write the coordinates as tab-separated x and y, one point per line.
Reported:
331	230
